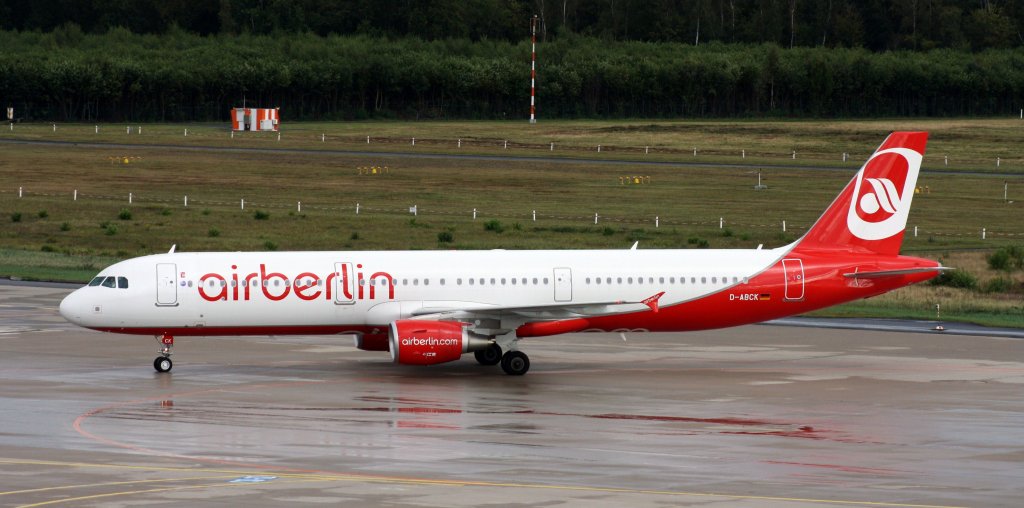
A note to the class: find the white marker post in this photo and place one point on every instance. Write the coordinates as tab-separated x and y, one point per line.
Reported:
595	218
357	208
129	198
298	207
721	222
460	142
243	203
657	221
75	196
19	192
783	226
186	201
413	141
552	149
535	216
186	132
474	214
983	233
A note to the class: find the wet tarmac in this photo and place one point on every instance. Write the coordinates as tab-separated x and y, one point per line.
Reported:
752	416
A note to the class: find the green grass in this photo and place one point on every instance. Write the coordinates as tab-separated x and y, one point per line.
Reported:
972	144
74	239
51	266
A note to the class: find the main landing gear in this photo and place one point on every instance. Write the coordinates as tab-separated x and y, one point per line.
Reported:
514	363
163	362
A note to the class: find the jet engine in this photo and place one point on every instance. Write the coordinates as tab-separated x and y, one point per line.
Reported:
430	342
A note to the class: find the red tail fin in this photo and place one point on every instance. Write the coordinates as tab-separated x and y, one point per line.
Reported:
871	212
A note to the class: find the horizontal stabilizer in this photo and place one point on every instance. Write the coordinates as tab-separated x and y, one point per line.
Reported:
895	273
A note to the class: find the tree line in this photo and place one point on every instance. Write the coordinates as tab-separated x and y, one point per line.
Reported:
70	75
877	25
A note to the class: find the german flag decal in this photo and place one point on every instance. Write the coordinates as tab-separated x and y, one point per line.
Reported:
764	297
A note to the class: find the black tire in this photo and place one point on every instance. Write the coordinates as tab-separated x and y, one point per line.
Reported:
489	356
162	364
515	363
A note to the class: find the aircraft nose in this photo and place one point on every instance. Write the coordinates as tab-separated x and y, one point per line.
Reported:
72	307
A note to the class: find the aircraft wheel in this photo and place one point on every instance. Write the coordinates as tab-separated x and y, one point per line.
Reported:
515	363
489	356
162	364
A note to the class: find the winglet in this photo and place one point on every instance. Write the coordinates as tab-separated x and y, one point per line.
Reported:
652	301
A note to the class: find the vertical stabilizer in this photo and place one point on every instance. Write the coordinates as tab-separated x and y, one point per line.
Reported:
871	212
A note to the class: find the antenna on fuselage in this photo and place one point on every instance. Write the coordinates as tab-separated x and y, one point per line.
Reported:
175	246
634	245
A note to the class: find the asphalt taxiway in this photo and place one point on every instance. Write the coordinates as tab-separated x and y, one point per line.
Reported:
776	415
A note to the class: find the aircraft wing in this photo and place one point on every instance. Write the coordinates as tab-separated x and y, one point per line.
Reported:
547	311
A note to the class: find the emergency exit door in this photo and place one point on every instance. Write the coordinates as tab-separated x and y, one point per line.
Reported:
563	285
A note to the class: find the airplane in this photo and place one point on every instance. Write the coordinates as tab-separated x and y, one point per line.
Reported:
432	307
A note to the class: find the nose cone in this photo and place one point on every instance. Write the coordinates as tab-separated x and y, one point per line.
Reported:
72	307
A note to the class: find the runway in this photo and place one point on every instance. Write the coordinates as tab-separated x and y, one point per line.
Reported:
776	415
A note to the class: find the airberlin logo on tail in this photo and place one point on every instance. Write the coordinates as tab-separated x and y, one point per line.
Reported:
879	208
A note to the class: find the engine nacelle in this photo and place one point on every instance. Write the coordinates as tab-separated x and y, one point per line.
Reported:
430	342
372	341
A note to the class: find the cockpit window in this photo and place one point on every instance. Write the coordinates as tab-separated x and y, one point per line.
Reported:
109	282
122	282
96	281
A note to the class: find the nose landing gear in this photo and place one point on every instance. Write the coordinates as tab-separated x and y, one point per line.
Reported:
163	362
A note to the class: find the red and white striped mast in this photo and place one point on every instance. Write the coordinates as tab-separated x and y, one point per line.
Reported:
533	70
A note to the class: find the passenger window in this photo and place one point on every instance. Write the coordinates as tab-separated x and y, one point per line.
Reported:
483	281
588	280
513	281
122	282
608	280
714	280
524	281
109	282
693	280
598	280
502	281
96	281
661	280
703	280
492	282
442	282
189	283
426	282
415	282
619	280
535	281
630	280
471	282
545	281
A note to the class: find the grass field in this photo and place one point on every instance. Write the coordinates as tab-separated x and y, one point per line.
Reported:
48	235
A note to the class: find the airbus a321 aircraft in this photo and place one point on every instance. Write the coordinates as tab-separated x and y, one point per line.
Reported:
433	307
